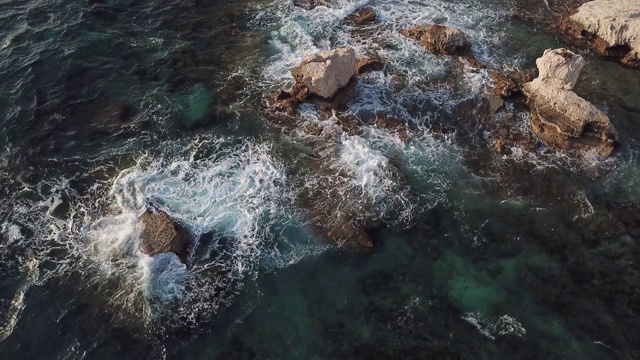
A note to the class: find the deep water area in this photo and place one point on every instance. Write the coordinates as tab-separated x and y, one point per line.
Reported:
111	106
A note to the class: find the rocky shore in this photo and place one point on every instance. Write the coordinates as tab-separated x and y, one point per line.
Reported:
609	28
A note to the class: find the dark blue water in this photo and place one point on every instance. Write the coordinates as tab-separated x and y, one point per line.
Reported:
109	105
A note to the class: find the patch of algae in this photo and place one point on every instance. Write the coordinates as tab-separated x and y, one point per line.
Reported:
469	288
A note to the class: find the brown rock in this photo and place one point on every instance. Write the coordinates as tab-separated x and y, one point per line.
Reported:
162	235
438	39
283	102
506	85
500	146
364	65
495	103
361	16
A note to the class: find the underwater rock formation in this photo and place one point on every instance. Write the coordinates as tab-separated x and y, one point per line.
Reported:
610	28
438	39
162	235
559	117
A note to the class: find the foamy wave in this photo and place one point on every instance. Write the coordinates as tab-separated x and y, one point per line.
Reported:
233	196
233	192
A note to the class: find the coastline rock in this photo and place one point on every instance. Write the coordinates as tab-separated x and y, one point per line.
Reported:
324	73
610	28
559	117
361	16
162	235
438	39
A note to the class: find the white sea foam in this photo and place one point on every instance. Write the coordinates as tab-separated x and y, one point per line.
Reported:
237	192
504	325
9	319
233	192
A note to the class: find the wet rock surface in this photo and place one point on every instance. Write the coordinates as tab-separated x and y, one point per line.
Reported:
361	16
162	235
364	65
438	39
561	118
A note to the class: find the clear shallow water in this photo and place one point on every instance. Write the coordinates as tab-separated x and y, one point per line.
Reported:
111	105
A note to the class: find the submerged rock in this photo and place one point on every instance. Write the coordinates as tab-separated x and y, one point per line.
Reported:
324	73
611	28
162	235
438	39
559	117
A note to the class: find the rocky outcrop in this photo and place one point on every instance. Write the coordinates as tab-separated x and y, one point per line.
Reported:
559	117
162	235
320	79
324	73
609	27
361	16
364	65
438	39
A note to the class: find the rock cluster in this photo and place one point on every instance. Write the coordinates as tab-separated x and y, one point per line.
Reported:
559	117
162	235
438	39
609	27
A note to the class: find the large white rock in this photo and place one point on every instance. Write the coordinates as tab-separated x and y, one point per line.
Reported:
617	22
559	68
561	118
326	72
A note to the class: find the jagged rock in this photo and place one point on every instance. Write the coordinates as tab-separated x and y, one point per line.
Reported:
283	102
361	16
324	73
364	65
438	39
561	118
611	28
310	4
505	85
162	235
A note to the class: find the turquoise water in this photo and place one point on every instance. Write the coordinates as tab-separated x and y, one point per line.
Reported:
108	106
